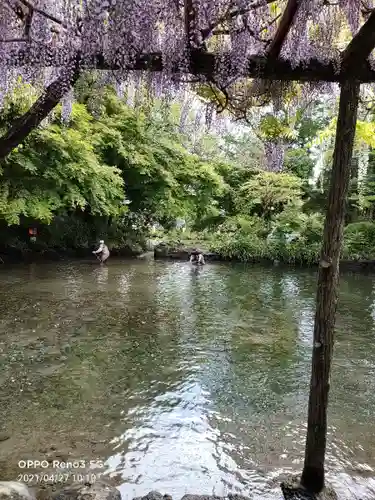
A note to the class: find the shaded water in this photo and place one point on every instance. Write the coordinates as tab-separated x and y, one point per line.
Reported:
182	380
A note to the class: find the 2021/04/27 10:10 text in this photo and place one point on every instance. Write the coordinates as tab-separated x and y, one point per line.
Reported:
56	478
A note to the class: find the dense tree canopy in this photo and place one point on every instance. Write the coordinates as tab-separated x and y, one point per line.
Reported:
57	170
109	168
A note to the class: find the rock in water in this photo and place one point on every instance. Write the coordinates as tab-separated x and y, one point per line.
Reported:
97	491
11	490
231	496
4	436
292	490
201	497
153	495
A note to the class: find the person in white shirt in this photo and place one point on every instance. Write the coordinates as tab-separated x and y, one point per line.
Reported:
196	257
103	251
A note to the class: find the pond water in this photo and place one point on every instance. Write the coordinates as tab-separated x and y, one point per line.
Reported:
180	379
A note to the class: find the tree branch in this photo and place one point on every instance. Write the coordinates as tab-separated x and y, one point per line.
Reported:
361	45
190	23
31	8
231	14
25	124
274	48
283	29
254	34
16	40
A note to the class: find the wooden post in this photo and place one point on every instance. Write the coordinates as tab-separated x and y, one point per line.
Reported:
313	471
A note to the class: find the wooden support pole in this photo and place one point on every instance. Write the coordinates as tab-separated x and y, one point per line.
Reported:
313	471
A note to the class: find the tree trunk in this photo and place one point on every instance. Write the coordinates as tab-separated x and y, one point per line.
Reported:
313	471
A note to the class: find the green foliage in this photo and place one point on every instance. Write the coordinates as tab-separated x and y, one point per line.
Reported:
256	239
309	125
55	171
365	133
294	221
243	247
251	248
359	240
114	171
21	99
300	251
298	162
245	225
272	127
67	232
78	175
162	179
268	193
244	150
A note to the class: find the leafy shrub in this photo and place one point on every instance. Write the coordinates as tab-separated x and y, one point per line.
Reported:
244	224
268	193
242	247
359	240
293	219
250	248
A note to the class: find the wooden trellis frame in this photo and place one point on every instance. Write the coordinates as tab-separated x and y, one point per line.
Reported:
354	70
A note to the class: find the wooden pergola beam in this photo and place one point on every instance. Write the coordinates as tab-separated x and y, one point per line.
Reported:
206	64
361	46
201	63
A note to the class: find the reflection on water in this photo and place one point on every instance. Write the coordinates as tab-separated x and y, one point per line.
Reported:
182	379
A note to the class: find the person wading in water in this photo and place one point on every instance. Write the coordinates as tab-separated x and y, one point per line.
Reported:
103	251
196	257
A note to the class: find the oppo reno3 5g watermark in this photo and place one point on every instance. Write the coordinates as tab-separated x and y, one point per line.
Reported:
60	464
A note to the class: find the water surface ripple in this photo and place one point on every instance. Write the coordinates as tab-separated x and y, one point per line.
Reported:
182	380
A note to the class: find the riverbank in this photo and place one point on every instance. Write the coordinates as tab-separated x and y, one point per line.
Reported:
14	256
165	252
